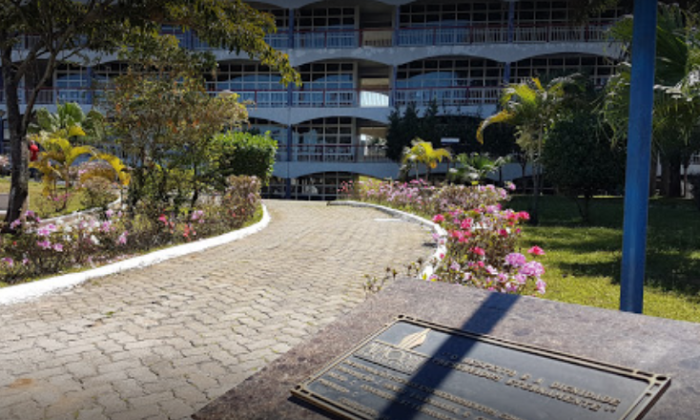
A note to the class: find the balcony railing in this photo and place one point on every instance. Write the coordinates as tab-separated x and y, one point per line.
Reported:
322	98
407	37
448	96
344	153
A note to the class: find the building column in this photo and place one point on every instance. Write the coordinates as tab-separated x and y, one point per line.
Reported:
90	79
290	29
288	180
392	84
511	36
397	25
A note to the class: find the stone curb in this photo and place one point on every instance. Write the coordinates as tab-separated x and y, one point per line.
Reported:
22	292
440	249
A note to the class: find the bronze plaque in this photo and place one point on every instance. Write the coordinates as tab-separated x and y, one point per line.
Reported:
413	369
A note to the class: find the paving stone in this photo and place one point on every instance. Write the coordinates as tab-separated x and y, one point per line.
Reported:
162	341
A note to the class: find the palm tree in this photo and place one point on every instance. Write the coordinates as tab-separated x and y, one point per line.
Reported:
532	108
676	91
475	168
68	122
422	152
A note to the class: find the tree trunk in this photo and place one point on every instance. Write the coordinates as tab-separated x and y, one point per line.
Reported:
19	149
652	173
674	188
665	177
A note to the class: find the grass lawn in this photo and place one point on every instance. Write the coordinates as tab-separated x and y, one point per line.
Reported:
583	261
38	203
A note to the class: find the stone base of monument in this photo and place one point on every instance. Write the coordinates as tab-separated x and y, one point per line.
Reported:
425	350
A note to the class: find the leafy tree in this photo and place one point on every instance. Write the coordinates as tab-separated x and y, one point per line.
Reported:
532	108
676	92
581	161
243	153
401	131
475	168
422	152
165	122
64	30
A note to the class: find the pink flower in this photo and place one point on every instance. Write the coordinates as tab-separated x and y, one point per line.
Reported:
524	215
492	271
535	250
58	247
503	232
122	238
163	218
533	269
438	218
510	186
466	224
9	261
478	251
15	224
541	286
515	259
44	244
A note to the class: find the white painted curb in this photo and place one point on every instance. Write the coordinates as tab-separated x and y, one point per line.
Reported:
25	291
440	249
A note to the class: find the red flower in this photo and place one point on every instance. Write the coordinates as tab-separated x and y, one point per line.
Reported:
535	250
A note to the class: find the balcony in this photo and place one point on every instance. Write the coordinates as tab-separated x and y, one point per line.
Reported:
328	98
335	153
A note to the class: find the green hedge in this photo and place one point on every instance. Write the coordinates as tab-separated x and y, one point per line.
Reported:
244	153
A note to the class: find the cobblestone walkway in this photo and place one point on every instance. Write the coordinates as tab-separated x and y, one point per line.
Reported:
159	343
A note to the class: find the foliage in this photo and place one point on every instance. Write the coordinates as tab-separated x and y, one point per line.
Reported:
695	189
165	122
38	248
98	193
69	121
64	31
676	91
482	237
422	152
580	159
532	108
474	168
243	153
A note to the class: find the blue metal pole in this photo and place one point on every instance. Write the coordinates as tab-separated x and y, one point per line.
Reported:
638	156
290	29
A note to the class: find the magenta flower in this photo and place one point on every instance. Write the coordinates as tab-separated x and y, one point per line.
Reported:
478	251
535	250
109	214
438	218
533	269
9	261
122	238
515	259
541	286
15	224
44	244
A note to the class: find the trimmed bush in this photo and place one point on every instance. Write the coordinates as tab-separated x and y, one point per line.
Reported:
242	153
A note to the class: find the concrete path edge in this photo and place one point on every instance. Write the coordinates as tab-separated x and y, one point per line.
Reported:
440	249
26	291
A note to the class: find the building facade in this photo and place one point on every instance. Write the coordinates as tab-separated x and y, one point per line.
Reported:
359	59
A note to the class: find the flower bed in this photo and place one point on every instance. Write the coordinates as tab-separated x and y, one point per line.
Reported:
37	249
482	236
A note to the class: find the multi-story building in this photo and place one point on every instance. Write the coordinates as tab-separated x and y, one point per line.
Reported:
358	59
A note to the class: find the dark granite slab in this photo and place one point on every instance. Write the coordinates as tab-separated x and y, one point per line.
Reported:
646	343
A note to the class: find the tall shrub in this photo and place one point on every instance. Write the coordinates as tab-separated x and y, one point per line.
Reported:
243	153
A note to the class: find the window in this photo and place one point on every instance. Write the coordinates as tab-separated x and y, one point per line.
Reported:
485	12
599	68
446	72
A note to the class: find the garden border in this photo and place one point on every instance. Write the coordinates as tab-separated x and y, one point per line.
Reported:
440	249
26	291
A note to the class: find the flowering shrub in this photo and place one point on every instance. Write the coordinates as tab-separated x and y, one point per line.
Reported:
482	237
36	248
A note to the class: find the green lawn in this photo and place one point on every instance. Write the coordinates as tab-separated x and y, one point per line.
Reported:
583	261
38	203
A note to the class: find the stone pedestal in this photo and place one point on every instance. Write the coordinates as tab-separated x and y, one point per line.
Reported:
640	342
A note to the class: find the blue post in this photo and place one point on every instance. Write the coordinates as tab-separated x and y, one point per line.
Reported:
2	136
392	88
638	156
